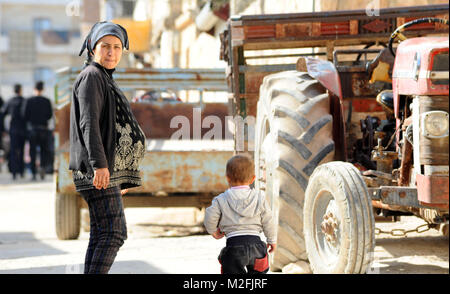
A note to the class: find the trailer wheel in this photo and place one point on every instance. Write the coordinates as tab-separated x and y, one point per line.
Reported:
67	216
293	136
338	220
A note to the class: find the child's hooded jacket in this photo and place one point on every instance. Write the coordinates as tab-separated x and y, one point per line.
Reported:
241	212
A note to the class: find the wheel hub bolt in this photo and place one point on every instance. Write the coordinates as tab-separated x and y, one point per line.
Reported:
328	227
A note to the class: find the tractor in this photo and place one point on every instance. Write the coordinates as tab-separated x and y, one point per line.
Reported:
340	140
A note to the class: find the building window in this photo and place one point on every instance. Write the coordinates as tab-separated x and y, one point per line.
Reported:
119	8
22	47
128	7
41	24
44	74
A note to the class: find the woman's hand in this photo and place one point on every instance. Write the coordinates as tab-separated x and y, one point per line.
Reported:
123	192
101	178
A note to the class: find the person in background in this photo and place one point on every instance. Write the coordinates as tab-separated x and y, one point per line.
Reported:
38	112
17	132
2	148
1	124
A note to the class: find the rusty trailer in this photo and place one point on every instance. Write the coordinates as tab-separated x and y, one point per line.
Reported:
175	173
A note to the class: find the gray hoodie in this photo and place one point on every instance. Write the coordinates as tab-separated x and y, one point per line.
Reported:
241	212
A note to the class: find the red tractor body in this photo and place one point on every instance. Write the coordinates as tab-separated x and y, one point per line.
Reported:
421	73
413	75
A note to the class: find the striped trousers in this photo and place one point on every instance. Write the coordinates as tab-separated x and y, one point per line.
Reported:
108	228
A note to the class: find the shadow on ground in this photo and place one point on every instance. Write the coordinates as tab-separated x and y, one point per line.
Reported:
429	247
171	230
396	267
119	267
10	250
7	179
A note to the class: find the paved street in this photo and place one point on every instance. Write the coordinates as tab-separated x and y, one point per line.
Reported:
163	240
28	242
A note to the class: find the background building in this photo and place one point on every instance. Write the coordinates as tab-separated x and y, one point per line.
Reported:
36	39
39	37
185	33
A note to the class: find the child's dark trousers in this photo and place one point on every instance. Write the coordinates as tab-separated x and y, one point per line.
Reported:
244	255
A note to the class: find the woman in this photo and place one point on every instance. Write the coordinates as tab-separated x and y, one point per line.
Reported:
106	144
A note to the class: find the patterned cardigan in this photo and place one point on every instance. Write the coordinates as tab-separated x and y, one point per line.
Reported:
128	145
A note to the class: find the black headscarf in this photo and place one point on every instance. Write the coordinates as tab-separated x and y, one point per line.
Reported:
101	29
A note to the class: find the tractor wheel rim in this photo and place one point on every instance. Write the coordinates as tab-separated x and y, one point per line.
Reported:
327	236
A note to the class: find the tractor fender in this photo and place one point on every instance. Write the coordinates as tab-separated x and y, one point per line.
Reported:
324	71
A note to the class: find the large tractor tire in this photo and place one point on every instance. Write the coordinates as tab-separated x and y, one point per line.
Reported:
67	216
339	225
293	136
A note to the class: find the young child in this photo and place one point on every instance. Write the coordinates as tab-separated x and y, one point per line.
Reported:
241	214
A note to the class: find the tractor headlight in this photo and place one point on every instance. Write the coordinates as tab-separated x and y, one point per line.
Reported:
435	124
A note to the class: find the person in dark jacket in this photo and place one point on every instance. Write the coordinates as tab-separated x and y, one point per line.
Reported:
1	123
106	144
2	148
38	112
17	132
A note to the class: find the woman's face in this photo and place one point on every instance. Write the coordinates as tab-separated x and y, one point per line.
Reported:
108	51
